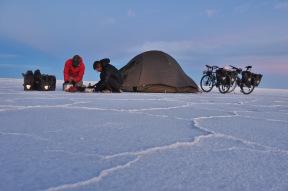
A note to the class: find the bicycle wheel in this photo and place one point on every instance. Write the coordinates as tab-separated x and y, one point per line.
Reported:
247	90
233	86
207	83
225	86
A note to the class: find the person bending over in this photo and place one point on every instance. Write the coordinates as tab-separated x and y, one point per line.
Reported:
110	77
73	71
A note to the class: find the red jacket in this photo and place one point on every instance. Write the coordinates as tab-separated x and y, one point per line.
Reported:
74	72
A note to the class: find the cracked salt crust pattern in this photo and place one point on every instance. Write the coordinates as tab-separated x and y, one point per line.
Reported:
193	110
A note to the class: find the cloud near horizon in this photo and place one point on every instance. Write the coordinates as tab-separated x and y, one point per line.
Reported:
194	32
268	56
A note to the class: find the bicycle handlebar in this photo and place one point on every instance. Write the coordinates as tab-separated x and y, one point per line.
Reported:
212	67
234	67
238	70
208	66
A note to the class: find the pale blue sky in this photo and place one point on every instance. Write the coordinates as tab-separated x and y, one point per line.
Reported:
44	33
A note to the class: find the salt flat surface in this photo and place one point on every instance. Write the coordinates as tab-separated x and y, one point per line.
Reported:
134	141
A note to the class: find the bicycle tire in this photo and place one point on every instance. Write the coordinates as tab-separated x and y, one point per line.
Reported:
248	91
209	82
224	88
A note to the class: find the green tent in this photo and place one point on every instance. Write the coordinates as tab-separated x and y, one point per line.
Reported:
156	72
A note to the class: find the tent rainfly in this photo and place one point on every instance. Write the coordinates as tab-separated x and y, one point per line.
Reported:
156	72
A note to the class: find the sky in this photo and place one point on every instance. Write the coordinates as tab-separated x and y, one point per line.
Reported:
45	33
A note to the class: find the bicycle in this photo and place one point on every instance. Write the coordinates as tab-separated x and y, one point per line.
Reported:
248	80
215	76
208	81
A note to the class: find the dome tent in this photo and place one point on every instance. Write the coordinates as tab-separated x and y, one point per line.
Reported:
156	72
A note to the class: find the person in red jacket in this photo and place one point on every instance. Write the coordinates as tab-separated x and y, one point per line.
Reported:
74	70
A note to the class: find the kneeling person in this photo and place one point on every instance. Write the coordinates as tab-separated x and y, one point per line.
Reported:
73	72
110	77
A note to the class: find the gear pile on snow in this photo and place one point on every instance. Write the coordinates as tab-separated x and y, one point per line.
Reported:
70	87
38	81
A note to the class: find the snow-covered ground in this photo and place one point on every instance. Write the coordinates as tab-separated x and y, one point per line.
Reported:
134	141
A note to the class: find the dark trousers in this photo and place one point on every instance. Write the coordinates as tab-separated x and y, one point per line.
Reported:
113	85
